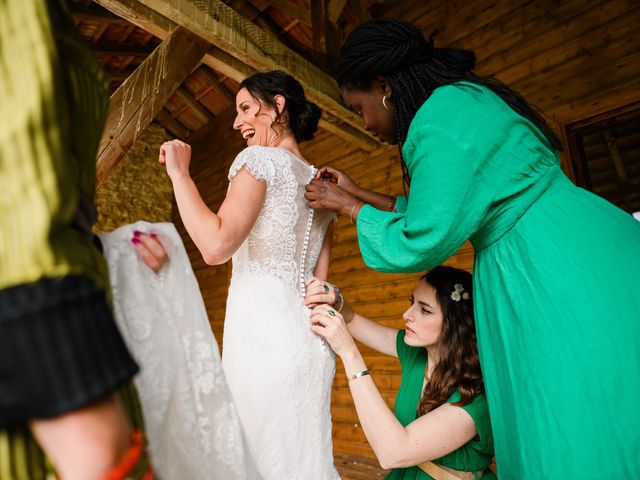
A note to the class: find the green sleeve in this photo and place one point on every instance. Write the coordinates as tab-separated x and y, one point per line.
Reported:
446	205
478	409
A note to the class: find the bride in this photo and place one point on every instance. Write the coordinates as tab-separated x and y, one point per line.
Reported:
278	371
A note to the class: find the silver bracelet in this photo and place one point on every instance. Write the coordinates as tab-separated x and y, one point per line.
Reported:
359	374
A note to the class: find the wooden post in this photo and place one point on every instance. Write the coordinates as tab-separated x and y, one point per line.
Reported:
139	99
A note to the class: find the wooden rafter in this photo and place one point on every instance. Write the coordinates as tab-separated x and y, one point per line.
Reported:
137	102
294	10
360	10
172	124
616	156
318	25
133	50
245	42
198	110
160	26
335	9
118	75
217	86
240	53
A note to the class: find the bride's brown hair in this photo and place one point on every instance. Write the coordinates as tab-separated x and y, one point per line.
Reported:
459	365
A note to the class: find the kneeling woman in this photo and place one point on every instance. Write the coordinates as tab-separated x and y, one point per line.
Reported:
441	412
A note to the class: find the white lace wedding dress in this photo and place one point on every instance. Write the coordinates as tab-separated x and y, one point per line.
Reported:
191	422
280	373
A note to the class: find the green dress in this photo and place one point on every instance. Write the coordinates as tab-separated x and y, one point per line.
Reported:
475	455
555	277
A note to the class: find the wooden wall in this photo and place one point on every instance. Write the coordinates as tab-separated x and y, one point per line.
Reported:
573	59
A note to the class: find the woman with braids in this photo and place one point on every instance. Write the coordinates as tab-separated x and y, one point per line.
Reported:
557	329
441	412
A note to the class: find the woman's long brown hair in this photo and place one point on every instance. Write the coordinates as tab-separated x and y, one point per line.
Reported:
459	365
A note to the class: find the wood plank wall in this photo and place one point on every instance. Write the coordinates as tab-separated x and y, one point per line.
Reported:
573	59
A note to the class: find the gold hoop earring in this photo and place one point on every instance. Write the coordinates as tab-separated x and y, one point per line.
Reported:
384	103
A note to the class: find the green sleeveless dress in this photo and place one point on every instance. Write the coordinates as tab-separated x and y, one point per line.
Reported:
555	283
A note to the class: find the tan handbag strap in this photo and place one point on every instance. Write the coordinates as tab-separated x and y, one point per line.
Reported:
438	473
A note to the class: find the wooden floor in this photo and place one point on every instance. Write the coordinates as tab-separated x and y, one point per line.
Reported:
357	468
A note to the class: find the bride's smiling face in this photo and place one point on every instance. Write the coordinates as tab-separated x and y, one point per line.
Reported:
255	120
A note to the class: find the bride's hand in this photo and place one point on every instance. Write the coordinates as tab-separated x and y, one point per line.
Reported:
176	155
328	323
319	292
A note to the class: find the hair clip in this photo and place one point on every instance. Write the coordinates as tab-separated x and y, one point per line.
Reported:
459	293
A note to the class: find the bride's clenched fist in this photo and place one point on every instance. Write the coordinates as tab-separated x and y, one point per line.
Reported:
176	155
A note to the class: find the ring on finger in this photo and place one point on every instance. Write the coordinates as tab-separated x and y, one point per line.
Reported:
331	313
326	288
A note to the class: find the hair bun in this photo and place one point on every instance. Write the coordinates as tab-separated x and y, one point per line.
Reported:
304	117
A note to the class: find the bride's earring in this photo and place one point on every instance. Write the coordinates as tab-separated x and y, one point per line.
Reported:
384	103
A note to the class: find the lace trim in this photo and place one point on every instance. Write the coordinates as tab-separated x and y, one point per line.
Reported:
254	159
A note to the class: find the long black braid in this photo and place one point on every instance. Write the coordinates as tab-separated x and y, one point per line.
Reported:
414	68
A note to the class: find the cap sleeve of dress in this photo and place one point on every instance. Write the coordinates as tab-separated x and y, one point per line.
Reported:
478	409
258	161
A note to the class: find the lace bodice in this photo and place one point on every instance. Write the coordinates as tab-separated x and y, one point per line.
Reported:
287	237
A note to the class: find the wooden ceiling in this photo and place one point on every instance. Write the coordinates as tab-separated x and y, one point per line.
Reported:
122	46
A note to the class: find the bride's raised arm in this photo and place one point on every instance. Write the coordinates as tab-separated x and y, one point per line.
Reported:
217	235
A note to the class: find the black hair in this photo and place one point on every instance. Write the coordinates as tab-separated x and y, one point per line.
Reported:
302	115
414	68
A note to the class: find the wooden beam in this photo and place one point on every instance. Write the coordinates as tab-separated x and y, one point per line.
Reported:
117	74
335	9
318	25
139	99
616	156
131	50
294	10
160	26
197	109
241	39
360	10
173	125
216	85
242	49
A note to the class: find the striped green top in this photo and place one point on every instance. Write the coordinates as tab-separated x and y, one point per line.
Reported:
53	105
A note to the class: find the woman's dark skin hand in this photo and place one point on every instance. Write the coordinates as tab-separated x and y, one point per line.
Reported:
327	195
340	178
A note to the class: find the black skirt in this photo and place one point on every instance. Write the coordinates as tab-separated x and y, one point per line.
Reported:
60	349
